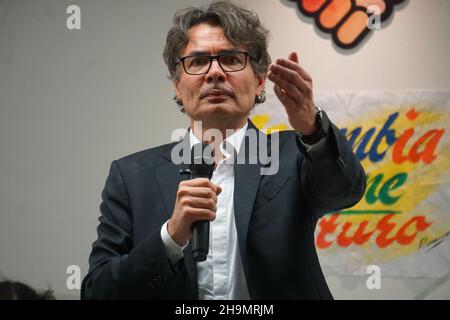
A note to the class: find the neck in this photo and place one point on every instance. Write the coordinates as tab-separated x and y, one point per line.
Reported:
215	133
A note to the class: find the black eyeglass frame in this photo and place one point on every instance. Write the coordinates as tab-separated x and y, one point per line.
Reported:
215	57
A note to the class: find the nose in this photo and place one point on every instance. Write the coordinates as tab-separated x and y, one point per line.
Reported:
215	73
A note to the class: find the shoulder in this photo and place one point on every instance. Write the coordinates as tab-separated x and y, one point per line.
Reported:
152	157
286	138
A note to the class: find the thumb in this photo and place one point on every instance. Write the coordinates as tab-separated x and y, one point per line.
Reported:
293	57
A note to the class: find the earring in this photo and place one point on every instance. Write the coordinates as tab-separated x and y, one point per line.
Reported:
179	102
261	98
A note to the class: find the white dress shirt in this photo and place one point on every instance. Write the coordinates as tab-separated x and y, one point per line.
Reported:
221	275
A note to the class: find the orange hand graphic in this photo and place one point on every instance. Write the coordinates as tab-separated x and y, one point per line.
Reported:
346	20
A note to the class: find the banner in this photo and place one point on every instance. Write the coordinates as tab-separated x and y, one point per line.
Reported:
402	224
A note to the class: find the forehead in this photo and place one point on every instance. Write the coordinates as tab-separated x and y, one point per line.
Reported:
207	38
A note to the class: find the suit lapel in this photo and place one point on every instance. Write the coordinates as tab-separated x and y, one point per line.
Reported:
169	175
247	177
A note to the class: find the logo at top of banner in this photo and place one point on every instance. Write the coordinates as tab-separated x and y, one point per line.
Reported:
348	21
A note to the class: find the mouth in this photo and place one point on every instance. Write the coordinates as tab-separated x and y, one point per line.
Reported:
216	95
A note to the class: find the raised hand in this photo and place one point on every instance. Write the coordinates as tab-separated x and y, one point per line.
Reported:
293	86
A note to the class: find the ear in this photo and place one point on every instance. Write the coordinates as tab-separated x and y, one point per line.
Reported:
260	83
175	84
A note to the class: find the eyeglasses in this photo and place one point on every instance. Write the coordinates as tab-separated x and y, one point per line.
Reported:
228	61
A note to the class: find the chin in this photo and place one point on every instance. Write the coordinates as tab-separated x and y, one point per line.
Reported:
219	113
218	108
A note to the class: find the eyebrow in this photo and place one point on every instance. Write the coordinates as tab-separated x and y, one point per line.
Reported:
207	53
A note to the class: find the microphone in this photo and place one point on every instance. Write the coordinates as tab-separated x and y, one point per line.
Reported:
202	166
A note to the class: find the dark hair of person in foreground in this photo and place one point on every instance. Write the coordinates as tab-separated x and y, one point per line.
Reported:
14	290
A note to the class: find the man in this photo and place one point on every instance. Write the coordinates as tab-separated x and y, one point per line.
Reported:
262	226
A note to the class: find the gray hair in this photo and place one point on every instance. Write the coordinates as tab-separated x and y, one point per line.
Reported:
240	26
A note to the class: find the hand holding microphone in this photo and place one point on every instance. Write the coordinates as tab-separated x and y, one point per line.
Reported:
195	204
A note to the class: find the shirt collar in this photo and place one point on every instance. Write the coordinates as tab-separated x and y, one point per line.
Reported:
234	139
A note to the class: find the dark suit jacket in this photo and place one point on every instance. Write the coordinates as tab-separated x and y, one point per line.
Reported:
275	219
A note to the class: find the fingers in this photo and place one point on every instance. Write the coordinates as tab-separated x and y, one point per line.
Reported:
286	100
291	75
293	65
293	57
288	75
197	199
196	214
199	192
293	87
200	203
202	182
288	83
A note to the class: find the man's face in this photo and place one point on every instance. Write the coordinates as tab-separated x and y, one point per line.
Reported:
217	96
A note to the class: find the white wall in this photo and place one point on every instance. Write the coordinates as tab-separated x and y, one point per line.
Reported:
72	101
